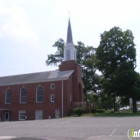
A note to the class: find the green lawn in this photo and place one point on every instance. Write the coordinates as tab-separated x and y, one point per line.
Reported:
116	114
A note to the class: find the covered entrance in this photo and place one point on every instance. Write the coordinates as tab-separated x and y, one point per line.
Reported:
5	115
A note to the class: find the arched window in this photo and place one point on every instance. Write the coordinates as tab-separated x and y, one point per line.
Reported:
23	95
8	96
39	95
52	98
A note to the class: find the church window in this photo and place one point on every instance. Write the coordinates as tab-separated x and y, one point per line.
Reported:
52	98
23	95
52	86
39	95
22	114
8	96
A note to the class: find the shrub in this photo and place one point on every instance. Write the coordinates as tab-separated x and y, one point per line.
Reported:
112	111
93	110
78	111
87	110
100	110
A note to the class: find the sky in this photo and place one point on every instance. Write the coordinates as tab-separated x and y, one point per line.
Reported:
29	28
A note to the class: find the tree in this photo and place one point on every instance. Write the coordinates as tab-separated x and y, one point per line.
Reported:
116	55
85	58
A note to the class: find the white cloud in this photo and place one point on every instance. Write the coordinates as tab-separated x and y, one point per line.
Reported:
13	24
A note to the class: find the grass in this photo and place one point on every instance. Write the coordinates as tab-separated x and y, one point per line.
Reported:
115	114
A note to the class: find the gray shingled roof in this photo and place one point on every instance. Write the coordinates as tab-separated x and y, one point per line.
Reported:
69	34
35	77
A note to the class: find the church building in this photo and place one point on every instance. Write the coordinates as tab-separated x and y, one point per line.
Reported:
43	95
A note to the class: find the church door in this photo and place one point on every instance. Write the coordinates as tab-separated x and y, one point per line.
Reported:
57	113
6	116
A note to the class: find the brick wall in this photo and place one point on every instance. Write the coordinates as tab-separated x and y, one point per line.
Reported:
76	78
30	106
71	87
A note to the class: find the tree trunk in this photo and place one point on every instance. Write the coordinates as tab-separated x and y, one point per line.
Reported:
114	102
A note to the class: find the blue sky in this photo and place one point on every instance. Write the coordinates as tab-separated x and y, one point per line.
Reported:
29	28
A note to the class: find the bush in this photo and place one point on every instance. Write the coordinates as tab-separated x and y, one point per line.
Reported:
93	110
87	110
112	111
100	110
78	111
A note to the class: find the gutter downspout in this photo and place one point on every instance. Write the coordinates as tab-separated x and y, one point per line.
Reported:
62	99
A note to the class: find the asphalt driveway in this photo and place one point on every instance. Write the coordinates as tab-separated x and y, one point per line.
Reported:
71	128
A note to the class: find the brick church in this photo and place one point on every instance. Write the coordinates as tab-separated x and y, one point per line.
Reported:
43	95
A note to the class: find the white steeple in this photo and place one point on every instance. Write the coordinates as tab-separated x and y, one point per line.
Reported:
69	49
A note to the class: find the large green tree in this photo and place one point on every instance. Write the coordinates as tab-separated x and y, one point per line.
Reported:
116	55
85	58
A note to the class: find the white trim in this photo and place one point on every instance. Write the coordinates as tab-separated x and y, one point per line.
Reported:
21	111
62	98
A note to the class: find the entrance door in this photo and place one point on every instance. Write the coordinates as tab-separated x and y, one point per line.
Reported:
6	116
57	113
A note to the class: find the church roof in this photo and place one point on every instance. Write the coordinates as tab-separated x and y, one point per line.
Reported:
47	76
69	33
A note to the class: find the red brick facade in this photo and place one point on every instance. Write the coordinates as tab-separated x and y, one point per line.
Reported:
66	92
77	79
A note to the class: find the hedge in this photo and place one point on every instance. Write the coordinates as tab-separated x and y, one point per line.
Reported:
78	111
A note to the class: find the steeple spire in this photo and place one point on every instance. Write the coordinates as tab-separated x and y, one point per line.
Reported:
69	49
69	33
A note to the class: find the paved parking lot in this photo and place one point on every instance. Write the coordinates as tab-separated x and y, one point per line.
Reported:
71	128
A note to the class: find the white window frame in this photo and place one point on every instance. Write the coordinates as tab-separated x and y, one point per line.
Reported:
37	95
57	113
8	97
52	86
37	117
52	98
22	111
21	96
